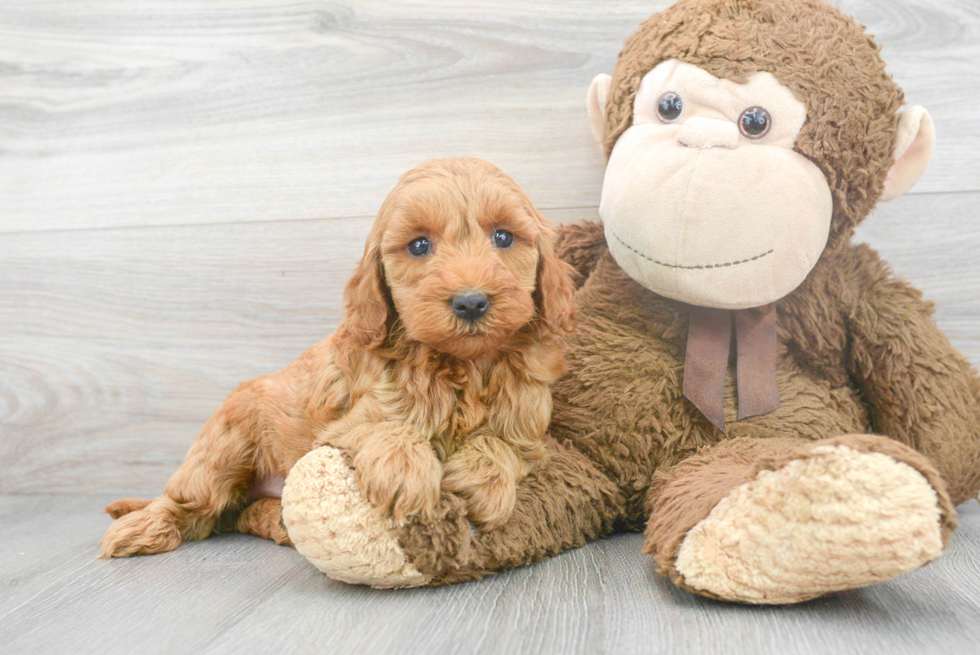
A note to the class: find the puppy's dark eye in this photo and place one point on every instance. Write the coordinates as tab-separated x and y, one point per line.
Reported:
755	122
503	239
669	107
420	247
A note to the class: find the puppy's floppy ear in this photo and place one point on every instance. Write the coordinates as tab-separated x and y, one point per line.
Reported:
366	299
555	293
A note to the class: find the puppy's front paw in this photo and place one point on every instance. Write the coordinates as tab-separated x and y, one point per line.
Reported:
399	477
489	493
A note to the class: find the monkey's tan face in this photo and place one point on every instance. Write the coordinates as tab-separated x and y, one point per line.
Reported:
704	199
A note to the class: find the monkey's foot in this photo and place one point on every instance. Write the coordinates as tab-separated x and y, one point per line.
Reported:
332	525
835	518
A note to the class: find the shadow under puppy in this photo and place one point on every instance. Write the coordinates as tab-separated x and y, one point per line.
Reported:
438	377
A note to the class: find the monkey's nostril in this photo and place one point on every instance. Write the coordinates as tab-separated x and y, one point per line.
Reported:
470	305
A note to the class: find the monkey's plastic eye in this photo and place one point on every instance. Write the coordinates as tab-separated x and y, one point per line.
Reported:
755	122
502	239
419	247
669	107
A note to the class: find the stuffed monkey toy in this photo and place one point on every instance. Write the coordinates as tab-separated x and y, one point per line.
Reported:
774	407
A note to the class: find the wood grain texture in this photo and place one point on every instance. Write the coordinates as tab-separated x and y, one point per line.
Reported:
236	593
164	112
156	160
117	344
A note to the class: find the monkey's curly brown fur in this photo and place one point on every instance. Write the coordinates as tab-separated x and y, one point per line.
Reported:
859	354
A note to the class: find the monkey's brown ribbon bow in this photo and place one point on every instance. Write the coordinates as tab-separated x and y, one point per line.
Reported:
709	339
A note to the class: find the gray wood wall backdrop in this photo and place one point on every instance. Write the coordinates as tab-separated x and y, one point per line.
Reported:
185	187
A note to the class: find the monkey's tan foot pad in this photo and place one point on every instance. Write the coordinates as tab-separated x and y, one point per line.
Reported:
334	527
839	519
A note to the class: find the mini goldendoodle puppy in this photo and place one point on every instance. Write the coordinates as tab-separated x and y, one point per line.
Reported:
438	377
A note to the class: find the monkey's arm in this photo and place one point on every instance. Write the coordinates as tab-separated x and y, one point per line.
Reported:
564	502
581	245
918	388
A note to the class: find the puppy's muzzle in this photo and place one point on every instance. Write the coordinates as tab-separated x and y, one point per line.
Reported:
470	305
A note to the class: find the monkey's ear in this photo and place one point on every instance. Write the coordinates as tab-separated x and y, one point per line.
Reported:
596	103
914	143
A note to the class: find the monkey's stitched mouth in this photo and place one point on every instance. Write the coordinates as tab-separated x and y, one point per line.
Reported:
696	267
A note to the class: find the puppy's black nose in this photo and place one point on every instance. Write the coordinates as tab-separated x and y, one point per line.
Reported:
470	305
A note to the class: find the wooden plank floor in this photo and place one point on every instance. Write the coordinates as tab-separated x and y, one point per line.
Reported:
241	594
184	189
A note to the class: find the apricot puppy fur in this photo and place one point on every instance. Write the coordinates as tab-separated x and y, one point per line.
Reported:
438	376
